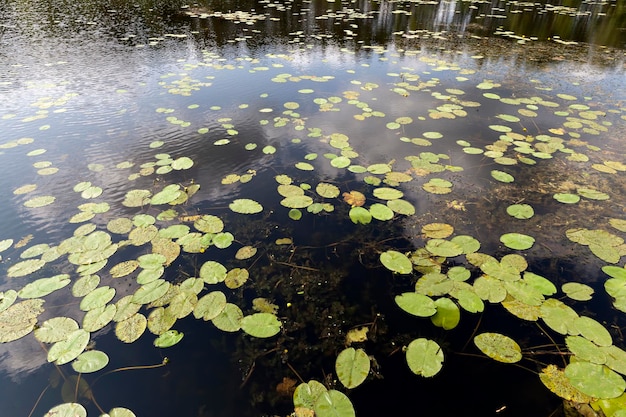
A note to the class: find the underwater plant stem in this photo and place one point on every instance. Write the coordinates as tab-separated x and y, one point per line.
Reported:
248	375
295	372
480	319
76	389
38	399
308	268
132	368
553	342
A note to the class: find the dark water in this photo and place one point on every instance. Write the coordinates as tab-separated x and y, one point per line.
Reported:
93	83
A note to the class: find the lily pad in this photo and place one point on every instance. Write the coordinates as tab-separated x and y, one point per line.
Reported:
229	319
68	349
90	361
424	357
44	286
132	328
333	403
396	262
448	314
595	380
168	338
498	347
417	304
520	211
517	241
245	206
67	410
261	325
352	367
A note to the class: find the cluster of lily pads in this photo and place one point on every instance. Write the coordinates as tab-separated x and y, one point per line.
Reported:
451	277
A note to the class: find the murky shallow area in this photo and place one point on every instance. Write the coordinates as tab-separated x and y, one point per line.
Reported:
312	150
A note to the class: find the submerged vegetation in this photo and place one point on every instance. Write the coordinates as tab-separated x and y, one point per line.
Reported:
333	208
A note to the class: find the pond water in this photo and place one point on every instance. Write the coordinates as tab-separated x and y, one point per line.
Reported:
312	149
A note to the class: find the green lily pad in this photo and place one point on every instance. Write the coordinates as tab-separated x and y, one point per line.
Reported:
592	330
327	190
396	262
386	193
585	350
132	328
44	286
209	224
55	329
417	304
595	380
517	241
210	305
67	410
90	361
212	272
448	314
381	212
360	215
168	338
401	207
223	240
151	291
520	211
96	318
502	176
41	201
566	198
307	393
333	403
442	247
229	319
261	325
19	319
424	357
245	206
559	316
68	349
577	291
236	277
352	367
97	298
299	201
24	268
498	347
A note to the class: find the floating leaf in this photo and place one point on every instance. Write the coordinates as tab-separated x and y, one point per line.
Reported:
360	215
150	291
520	211
168	338
437	230
354	198
306	394
517	241
401	207
90	361
556	381
448	314
417	304
68	349
498	347
424	357
381	212
577	291
97	298
23	268
595	380
236	277
333	403
132	328
352	367
441	247
396	262
98	317
261	325
229	319
245	206
44	286
212	272
566	198
327	190
502	176
40	201
300	201
19	319
67	410
245	252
